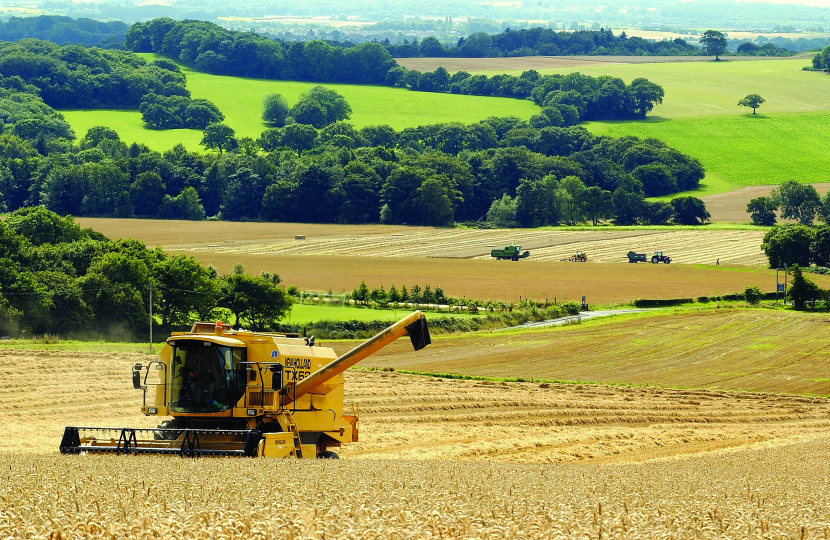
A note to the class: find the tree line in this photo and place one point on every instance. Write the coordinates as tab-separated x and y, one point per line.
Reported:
65	30
213	49
793	200
210	48
430	175
73	76
544	42
57	278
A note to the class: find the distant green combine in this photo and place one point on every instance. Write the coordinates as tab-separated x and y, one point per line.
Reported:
510	252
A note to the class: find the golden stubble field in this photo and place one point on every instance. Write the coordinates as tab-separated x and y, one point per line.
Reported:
759	350
437	458
338	257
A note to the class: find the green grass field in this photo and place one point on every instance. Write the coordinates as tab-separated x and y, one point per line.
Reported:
700	117
741	150
307	314
240	100
705	89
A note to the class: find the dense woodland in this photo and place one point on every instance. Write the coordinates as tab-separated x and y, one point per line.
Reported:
57	278
506	171
433	175
65	31
438	39
73	76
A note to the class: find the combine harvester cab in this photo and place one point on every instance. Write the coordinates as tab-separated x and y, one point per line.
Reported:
242	393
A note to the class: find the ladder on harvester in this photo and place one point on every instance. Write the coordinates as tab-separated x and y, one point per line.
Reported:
289	421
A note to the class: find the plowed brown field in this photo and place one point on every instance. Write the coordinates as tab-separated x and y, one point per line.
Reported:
731	207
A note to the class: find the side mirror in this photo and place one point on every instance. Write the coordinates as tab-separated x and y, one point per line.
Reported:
137	376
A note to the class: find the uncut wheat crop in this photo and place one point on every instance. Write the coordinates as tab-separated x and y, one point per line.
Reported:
745	494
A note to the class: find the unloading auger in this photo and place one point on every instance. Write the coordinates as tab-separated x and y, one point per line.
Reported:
242	393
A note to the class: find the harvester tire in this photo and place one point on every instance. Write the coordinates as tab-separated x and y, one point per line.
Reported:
515	258
328	454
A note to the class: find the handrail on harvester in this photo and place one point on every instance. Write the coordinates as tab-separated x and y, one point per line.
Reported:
413	324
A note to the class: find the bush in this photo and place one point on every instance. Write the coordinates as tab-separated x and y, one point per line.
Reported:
752	295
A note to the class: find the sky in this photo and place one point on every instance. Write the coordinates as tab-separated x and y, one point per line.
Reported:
815	3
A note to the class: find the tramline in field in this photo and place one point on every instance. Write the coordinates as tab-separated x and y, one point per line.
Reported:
242	393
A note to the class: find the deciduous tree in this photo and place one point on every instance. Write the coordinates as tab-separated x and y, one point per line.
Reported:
714	42
788	244
762	210
217	136
275	109
797	201
689	211
752	100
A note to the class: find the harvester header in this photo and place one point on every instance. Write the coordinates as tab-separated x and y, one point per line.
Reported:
243	393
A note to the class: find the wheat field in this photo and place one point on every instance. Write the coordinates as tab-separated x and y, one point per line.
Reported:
744	495
437	459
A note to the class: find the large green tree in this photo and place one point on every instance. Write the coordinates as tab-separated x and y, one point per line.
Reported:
689	211
331	104
218	136
645	95
797	201
714	42
802	289
298	137
184	288
598	203
788	244
275	109
254	300
762	211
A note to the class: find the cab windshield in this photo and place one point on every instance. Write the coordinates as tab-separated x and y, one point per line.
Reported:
205	377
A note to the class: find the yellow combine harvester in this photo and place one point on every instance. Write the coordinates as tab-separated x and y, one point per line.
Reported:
243	393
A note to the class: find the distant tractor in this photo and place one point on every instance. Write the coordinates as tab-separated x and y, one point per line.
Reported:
580	256
513	253
658	258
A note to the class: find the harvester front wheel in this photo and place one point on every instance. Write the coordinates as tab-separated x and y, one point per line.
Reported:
328	454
